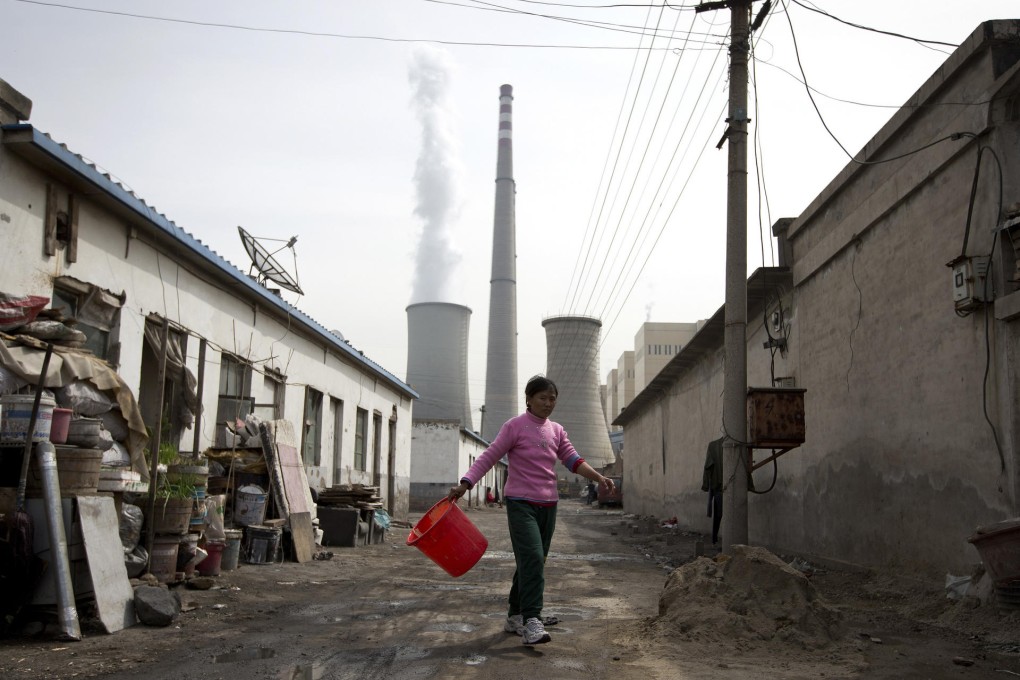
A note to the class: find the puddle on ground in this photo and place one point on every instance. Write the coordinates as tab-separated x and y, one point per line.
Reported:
475	660
451	627
411	653
304	672
441	586
245	655
368	617
592	557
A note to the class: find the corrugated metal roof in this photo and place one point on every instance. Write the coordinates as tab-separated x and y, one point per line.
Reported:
709	339
41	150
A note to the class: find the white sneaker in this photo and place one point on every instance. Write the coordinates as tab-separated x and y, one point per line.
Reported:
514	624
534	632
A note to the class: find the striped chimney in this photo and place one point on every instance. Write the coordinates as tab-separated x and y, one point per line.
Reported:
501	361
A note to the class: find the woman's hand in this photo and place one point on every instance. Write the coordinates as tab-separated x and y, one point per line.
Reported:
457	491
608	483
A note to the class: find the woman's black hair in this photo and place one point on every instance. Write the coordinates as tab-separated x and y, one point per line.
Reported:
540	383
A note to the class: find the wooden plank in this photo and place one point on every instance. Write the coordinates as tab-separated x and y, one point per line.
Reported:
302	536
268	432
115	599
72	229
50	229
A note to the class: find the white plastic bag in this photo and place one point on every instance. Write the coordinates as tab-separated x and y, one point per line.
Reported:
214	519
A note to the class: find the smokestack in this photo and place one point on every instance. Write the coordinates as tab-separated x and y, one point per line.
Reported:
437	361
572	362
501	360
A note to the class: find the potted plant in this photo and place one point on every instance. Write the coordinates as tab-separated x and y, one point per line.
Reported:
175	492
182	468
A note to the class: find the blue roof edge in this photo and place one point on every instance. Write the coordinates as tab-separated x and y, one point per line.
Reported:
89	173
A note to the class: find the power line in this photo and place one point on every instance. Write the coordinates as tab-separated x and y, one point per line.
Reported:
483	5
919	41
796	51
324	34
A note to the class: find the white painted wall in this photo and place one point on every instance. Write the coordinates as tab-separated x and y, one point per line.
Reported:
441	452
159	278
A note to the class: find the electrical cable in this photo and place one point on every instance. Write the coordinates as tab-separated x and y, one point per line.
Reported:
483	5
597	294
920	41
618	280
987	305
988	365
629	263
775	477
324	34
906	105
973	194
796	50
644	71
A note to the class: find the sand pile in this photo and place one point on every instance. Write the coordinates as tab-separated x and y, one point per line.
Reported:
748	595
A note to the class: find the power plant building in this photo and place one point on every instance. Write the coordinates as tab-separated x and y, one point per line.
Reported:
437	361
572	362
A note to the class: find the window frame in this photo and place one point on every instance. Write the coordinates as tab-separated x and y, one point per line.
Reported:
361	440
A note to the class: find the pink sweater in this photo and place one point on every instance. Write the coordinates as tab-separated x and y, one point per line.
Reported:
532	445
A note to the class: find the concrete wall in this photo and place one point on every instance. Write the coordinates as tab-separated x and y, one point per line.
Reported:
158	277
900	463
442	451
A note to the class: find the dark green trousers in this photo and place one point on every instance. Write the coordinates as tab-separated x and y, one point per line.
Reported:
531	532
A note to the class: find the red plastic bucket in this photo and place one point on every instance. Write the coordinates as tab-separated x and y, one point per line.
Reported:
210	566
448	538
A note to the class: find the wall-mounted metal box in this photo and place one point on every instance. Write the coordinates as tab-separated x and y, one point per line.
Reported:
971	287
775	416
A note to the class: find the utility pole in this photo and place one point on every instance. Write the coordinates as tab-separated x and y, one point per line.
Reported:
735	454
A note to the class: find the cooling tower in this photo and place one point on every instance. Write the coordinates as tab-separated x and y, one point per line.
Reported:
437	364
501	361
572	356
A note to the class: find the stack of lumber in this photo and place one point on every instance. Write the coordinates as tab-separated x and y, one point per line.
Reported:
351	495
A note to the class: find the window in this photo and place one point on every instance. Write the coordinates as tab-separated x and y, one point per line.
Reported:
274	387
336	407
97	312
360	435
235	402
377	447
311	438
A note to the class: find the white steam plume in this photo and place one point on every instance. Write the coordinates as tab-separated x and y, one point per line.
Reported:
436	177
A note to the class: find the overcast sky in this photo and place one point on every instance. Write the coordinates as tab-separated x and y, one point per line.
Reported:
359	126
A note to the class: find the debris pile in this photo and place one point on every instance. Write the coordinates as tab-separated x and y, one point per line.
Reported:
749	595
352	496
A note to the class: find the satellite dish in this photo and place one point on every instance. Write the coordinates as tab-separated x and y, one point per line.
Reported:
266	265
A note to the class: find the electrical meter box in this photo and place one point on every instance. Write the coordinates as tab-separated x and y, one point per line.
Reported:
775	417
969	282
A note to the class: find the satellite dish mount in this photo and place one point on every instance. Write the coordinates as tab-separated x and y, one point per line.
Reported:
266	266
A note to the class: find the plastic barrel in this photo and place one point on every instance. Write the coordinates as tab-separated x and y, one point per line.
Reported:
210	566
59	425
448	538
231	550
163	560
262	544
249	506
15	414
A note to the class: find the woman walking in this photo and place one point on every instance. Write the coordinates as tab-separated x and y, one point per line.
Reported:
532	444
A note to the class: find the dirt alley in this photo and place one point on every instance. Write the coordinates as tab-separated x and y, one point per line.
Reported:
386	611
